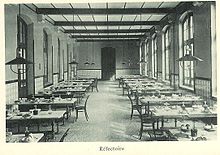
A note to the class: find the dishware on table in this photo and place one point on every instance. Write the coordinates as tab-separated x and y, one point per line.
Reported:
209	127
8	135
185	128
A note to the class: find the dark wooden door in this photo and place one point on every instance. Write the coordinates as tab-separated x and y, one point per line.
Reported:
108	63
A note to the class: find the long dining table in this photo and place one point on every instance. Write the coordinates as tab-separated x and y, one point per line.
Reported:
50	103
28	118
177	112
20	138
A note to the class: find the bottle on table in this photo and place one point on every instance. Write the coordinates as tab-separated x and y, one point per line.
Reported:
26	132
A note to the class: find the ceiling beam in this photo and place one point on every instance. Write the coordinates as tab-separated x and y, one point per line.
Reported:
107	36
99	23
105	40
109	31
109	11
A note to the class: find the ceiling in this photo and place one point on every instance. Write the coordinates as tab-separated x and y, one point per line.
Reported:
104	21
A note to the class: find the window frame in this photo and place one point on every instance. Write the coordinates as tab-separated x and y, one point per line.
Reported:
166	54
154	56
46	58
187	40
59	61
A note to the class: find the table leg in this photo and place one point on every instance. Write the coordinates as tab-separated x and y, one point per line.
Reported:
18	127
38	126
67	112
57	123
162	122
157	123
175	120
52	125
148	106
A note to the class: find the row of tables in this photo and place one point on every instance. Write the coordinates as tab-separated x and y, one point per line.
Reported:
66	94
166	103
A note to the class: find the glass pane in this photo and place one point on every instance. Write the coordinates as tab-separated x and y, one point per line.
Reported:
167	65
20	32
23	34
191	27
192	51
152	58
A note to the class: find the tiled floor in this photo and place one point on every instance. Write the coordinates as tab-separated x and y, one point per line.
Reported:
109	117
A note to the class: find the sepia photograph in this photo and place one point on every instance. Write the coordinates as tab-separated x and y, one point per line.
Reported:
141	72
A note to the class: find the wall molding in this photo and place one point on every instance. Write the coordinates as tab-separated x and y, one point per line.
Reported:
39	76
88	69
60	80
101	69
174	74
203	78
11	81
48	84
125	68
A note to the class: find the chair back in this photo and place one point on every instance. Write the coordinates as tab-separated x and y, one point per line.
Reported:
146	115
64	135
131	100
95	84
87	97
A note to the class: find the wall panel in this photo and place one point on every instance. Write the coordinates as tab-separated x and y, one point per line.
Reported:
121	72
39	84
11	92
90	73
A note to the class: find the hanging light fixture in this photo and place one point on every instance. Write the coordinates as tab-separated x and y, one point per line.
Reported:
41	18
19	60
123	58
74	62
197	3
74	66
129	59
142	57
93	57
59	30
87	60
188	57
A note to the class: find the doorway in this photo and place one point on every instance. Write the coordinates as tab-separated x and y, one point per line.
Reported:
108	63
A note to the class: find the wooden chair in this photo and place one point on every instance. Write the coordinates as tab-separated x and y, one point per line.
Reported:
147	121
64	135
148	125
161	135
95	85
82	107
134	106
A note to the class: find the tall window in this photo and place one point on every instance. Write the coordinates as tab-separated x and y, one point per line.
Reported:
146	56
187	33
59	62
22	51
154	57
214	51
166	52
45	54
